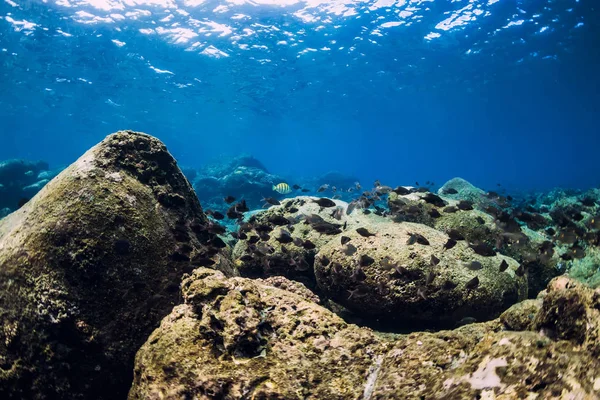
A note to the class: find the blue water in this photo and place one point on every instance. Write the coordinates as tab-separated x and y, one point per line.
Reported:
402	91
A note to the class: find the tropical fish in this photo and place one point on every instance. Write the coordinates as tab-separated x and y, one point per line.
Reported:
282	188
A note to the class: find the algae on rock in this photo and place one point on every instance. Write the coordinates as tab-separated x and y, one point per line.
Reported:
89	267
240	338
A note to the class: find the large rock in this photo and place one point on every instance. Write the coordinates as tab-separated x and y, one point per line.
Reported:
90	266
237	338
390	277
289	259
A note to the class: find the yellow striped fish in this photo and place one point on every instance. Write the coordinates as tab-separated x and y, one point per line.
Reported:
282	188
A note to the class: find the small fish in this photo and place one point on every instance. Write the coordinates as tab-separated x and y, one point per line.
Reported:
241	206
472	284
264	236
417	238
401	191
201	261
229	199
433	213
233	214
324	260
387	264
253	239
337	213
568	237
449	285
344	240
450	191
349	249
465	205
308	245
358	274
473	265
215	214
365	260
465	321
282	188
434	261
22	201
215	228
327	228
483	249
480	220
380	189
364	232
455	234
336	268
271	200
588	202
296	187
278	220
246	258
360	291
434	199
430	278
503	266
284	237
305	190
450	209
421	293
324	202
520	271
322	188
298	242
450	244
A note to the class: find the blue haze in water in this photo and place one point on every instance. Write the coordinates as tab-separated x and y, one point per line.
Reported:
493	91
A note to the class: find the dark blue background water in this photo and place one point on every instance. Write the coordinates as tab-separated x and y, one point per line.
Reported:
517	105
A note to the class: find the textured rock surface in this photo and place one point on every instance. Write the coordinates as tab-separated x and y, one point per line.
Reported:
571	311
520	316
90	266
237	338
366	281
466	191
287	259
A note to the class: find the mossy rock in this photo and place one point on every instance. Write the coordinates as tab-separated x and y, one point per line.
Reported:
239	338
90	265
520	316
288	259
396	297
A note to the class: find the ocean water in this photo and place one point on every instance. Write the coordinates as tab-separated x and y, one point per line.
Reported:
493	91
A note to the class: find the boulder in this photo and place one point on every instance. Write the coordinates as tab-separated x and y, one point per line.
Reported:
283	257
239	338
91	264
387	274
464	189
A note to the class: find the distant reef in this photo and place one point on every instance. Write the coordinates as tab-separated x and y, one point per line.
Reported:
115	284
245	177
20	180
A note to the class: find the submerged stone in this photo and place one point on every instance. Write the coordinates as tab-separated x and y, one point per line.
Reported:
90	265
240	338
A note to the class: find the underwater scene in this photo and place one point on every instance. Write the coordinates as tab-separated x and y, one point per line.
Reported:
299	199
